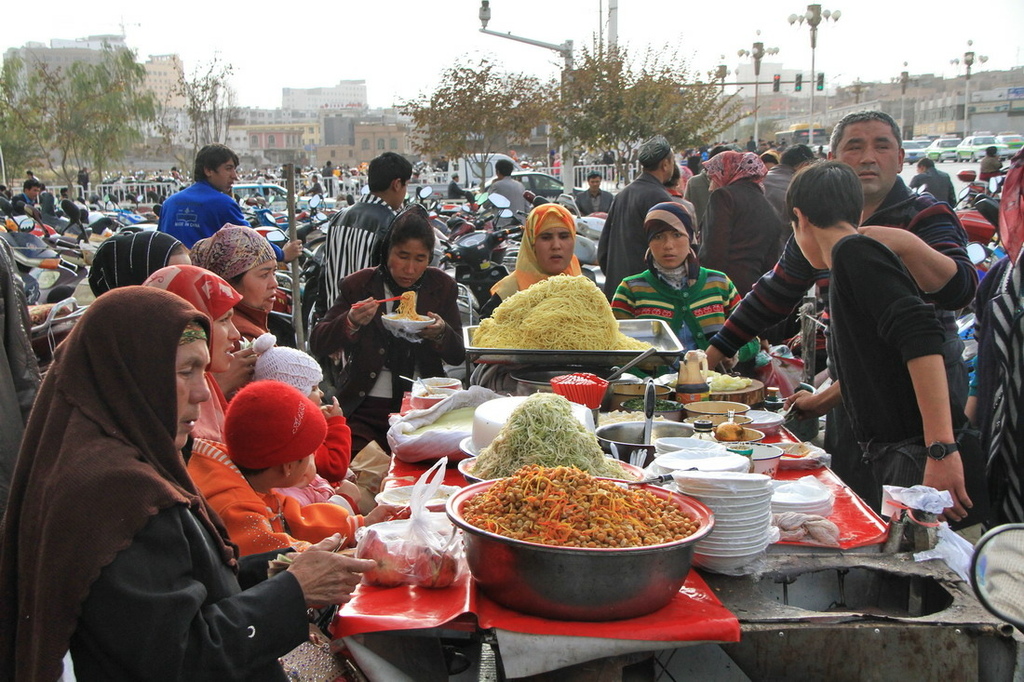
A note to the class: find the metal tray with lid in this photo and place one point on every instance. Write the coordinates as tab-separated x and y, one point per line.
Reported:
655	332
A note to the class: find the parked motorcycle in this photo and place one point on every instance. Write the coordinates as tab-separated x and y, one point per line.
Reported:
476	249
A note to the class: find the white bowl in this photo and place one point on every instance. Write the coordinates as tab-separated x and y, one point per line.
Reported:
702	460
766	459
767	422
675	443
402	495
394	324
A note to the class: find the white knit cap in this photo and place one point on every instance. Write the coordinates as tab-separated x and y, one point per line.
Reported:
287	365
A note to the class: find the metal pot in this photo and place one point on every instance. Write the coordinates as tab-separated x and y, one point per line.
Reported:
627	437
570	583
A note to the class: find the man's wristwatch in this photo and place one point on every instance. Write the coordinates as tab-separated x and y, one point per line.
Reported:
938	450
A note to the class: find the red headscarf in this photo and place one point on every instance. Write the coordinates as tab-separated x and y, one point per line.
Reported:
208	292
729	167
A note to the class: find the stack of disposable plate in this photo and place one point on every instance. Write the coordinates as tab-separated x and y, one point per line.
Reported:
806	496
743	515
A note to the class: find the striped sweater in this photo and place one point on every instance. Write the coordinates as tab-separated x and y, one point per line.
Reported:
703	306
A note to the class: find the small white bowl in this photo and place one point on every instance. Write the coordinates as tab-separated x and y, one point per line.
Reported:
766	459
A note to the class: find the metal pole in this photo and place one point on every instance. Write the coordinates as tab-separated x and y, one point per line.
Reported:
300	332
967	98
613	23
810	116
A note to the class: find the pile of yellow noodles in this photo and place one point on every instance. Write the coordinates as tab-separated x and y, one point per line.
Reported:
407	308
559	313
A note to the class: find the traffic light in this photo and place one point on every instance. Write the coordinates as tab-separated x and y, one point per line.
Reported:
798	82
776	82
821	82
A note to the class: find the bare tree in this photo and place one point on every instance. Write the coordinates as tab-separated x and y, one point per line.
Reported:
209	102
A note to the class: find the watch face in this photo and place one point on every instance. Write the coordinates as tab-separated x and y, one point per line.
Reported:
940	450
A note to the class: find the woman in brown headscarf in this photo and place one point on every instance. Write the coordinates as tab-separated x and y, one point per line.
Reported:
740	231
107	548
243	257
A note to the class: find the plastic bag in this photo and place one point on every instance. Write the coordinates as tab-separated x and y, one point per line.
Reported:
953	549
434	444
782	371
424	550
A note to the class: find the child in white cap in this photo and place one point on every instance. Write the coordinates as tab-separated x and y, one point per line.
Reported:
327	477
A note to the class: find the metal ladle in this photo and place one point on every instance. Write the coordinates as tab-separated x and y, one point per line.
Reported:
629	365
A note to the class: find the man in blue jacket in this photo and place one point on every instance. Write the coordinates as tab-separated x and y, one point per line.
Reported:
202	208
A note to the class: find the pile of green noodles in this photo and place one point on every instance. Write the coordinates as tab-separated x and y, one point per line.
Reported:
544	431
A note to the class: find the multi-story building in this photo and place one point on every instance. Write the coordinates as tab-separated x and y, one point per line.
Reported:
350	94
164	75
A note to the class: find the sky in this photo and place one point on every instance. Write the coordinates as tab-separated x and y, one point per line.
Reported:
401	47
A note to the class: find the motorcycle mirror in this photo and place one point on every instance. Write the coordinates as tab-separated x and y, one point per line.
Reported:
277	237
976	252
365	190
70	209
140	198
964	193
498	201
425	192
993	185
505	213
315	201
997	572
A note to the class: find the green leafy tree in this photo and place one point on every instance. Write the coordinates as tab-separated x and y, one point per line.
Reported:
84	114
477	109
615	101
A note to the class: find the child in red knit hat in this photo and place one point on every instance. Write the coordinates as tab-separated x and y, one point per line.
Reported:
271	432
325	481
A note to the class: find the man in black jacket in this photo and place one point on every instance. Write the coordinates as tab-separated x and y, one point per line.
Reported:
354	239
623	244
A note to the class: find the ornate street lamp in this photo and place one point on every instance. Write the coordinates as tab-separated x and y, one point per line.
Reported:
757	53
813	16
969	57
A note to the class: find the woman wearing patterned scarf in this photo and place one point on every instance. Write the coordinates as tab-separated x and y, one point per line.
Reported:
693	300
740	229
247	261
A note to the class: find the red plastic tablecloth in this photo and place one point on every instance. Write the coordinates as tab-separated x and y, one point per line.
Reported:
695	614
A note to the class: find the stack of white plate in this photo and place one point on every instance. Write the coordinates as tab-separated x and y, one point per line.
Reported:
742	504
803	496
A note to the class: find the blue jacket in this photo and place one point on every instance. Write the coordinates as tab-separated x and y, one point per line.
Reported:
198	211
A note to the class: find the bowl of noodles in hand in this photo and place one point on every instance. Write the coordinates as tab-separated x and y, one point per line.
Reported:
560	543
543	431
405	322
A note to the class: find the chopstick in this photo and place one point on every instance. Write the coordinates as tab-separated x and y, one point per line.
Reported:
379	301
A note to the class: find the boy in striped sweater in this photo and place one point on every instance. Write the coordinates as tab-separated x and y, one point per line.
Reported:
693	300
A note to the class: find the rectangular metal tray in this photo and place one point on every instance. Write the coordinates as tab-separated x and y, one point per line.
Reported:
655	332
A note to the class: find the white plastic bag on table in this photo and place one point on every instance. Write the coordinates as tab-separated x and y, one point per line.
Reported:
434	444
424	550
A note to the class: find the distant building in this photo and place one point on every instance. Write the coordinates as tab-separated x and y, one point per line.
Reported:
349	94
164	74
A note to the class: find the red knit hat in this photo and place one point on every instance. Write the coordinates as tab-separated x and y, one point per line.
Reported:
269	423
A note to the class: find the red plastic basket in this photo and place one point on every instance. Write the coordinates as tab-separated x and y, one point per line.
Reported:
581	387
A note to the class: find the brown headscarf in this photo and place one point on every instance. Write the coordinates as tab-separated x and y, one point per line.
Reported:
97	462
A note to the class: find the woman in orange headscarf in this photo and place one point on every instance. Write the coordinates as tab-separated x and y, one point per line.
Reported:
549	240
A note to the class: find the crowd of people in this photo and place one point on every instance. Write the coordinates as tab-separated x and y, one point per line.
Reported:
172	420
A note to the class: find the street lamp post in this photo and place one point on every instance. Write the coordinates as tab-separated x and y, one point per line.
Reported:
904	79
565	50
757	54
968	63
813	16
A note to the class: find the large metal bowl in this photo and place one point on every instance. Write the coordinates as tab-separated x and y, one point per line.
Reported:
622	439
570	583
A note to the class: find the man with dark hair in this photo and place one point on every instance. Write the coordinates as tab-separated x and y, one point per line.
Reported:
698	190
623	243
594	199
924	233
512	190
991	166
202	208
355	237
776	182
934	181
30	190
884	340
